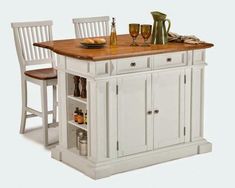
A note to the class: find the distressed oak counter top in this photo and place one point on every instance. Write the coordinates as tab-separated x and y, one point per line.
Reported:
72	48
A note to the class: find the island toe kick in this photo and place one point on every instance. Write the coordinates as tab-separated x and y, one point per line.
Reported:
105	169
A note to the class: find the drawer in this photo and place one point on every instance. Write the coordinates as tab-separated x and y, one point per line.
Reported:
170	60
99	68
135	64
198	57
77	65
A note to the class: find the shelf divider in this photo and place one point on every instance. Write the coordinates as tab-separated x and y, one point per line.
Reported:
78	99
81	126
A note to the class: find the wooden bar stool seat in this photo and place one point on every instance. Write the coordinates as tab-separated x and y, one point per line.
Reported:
42	74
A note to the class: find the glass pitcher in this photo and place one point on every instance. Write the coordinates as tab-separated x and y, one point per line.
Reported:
160	33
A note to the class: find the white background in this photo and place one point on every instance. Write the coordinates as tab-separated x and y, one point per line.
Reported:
23	163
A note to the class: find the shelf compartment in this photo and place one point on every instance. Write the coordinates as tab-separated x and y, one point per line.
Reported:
75	151
81	126
78	99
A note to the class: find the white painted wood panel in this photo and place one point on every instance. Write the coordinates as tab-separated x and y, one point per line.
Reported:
78	66
134	125
92	123
199	56
197	103
62	95
133	64
102	68
170	60
187	105
106	119
168	98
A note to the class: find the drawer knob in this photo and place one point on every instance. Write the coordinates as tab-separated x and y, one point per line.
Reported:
133	64
156	111
168	59
149	112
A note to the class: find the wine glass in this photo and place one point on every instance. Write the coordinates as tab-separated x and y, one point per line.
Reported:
146	32
134	30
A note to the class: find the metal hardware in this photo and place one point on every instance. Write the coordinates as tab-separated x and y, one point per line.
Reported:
156	111
184	131
133	64
185	79
83	147
117	145
150	112
168	59
116	89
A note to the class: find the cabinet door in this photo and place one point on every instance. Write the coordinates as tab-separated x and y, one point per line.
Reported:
134	124
168	99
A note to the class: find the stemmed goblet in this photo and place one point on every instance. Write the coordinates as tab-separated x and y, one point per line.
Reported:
134	30
146	32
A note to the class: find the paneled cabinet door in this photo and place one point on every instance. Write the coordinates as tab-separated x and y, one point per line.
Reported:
134	122
168	107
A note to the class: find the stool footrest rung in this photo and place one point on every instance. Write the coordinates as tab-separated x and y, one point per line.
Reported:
35	113
31	115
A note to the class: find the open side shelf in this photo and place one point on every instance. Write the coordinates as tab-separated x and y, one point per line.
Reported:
81	126
75	151
77	99
73	128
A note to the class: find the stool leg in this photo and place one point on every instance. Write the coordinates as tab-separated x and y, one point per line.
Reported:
44	112
24	105
54	103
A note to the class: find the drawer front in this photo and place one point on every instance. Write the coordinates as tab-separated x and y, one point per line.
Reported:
134	64
198	57
100	68
77	65
170	60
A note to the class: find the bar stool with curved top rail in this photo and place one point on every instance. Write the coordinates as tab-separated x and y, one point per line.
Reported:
91	26
25	34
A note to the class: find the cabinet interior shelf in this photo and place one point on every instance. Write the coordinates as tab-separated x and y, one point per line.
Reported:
81	126
78	99
76	152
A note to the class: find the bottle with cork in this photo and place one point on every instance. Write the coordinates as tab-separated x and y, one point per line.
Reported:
80	117
113	35
75	114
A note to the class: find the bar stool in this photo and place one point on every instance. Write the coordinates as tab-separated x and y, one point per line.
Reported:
25	34
91	26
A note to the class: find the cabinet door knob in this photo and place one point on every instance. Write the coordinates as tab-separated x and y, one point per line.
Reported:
156	111
150	112
133	64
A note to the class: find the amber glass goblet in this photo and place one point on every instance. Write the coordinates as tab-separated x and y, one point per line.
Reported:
146	32
134	30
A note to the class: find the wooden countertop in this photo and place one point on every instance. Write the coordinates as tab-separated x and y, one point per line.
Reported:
72	48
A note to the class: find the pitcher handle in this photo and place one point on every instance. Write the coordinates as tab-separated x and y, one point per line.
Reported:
169	25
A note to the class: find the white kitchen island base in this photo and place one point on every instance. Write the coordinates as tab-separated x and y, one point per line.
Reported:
144	105
105	169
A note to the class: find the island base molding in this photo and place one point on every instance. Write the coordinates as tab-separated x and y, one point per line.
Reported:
114	166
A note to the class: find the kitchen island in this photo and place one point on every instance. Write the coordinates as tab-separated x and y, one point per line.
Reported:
144	104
